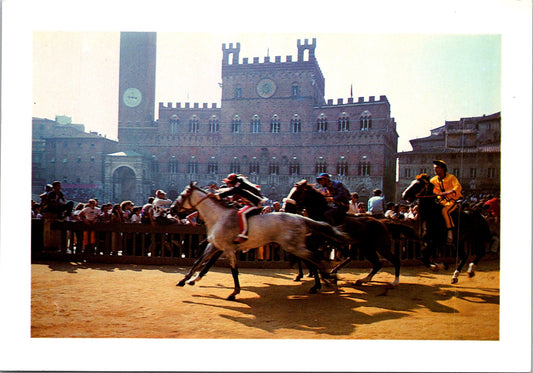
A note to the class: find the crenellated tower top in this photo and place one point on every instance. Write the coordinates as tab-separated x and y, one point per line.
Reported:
306	46
232	52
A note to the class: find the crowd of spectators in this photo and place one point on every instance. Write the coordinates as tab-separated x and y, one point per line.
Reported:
156	211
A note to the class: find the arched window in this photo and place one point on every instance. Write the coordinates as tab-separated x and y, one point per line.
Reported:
295	90
174	123
365	121
192	166
296	124
254	166
273	167
322	123
214	124
294	166
255	124
364	166
342	166
154	164
173	165
235	166
344	122
236	124
275	124
212	166
194	124
321	165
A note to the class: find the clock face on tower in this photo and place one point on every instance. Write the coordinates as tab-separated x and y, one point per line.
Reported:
132	97
266	88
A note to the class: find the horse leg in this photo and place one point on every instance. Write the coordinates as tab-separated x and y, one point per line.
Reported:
479	254
462	261
237	286
313	269
300	274
372	256
206	267
340	265
395	260
209	250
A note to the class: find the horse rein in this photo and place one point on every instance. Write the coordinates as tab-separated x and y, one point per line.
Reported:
187	194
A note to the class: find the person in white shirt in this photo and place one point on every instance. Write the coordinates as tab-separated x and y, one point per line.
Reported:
89	215
160	207
376	204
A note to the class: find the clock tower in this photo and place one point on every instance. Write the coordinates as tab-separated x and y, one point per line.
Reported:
136	81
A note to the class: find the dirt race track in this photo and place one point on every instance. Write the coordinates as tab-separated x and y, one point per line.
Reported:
129	301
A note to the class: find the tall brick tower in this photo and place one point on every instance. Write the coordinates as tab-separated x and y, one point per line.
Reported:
136	81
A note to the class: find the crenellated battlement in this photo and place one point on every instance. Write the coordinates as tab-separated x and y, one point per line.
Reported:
230	54
187	105
360	100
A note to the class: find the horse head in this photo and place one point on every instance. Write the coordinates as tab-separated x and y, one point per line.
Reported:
292	202
183	202
420	186
304	196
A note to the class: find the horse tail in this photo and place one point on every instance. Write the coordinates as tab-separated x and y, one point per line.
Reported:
326	230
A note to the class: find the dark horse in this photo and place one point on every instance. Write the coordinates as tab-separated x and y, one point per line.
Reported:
368	234
470	226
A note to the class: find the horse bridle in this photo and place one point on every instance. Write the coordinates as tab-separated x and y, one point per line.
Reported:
187	194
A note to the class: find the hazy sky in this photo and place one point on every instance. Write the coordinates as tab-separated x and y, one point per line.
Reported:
428	78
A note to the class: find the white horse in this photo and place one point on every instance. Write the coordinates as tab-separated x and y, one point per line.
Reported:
290	231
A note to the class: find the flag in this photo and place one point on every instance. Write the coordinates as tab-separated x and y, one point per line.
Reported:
351	90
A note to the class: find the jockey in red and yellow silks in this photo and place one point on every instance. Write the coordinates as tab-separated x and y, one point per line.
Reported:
448	191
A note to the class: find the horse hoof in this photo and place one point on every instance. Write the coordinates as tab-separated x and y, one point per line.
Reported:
434	267
298	278
313	291
181	283
455	280
231	297
471	274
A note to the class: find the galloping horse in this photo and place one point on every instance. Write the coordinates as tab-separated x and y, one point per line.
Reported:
469	226
369	234
290	231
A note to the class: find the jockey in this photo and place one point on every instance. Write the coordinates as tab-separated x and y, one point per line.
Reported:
337	195
250	196
448	191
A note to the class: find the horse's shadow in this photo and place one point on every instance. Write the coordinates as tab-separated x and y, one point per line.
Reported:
337	313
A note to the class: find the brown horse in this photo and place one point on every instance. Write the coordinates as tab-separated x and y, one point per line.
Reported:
371	236
470	226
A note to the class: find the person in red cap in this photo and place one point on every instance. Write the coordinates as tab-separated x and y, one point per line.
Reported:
250	196
448	191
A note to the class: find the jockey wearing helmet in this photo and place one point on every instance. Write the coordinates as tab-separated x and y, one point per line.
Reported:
448	191
337	195
251	197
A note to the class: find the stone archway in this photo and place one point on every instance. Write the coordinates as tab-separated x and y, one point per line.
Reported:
124	184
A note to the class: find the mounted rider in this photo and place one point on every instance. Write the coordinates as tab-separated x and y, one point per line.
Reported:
338	197
448	191
250	196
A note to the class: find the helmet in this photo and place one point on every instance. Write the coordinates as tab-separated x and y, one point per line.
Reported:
323	175
231	178
441	164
